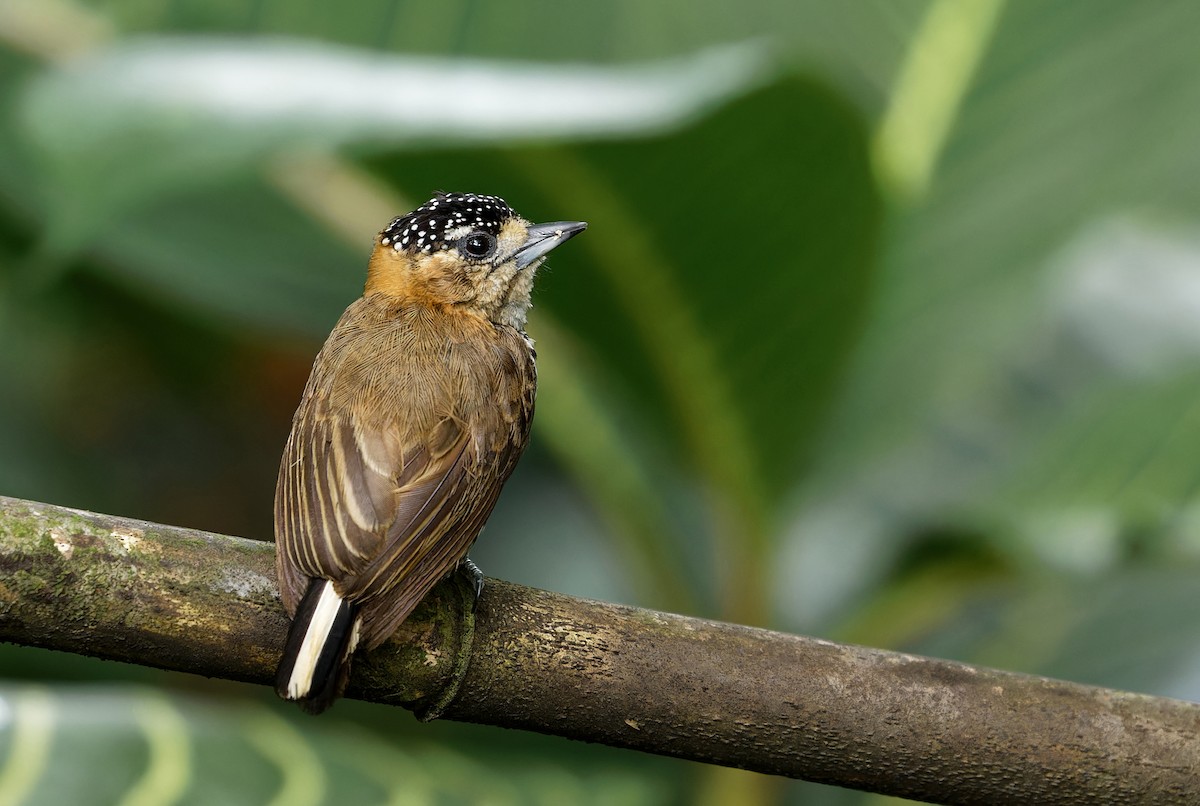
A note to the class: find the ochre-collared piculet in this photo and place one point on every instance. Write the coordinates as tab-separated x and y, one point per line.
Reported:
415	414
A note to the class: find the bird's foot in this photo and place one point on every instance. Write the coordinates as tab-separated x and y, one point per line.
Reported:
474	576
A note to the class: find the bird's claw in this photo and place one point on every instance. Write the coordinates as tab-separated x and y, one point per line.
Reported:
474	576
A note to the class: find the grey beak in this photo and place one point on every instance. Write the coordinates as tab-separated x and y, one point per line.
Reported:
544	237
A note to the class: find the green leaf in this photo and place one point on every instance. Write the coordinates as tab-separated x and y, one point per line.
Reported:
973	372
166	115
240	253
856	44
99	744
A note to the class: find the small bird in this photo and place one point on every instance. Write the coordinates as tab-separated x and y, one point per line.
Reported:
415	414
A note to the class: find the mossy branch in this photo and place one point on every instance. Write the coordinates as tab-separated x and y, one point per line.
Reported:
720	693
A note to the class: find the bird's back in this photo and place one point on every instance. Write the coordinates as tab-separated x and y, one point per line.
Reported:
413	419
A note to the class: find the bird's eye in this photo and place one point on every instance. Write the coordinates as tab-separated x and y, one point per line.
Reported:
478	245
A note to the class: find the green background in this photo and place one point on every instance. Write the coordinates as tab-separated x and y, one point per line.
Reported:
886	328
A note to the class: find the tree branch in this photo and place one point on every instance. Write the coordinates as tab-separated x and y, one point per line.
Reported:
881	721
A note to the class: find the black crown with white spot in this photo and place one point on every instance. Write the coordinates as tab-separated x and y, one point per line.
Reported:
425	228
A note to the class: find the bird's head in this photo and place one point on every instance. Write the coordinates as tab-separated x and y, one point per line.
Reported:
464	249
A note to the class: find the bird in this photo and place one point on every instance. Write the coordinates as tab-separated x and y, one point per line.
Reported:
414	415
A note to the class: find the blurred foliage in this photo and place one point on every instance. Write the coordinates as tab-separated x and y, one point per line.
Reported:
884	328
134	745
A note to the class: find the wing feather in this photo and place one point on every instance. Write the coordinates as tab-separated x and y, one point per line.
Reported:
339	518
360	495
431	547
385	510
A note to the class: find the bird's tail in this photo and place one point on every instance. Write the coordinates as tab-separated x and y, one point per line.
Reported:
316	657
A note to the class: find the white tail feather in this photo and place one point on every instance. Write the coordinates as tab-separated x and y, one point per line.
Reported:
315	637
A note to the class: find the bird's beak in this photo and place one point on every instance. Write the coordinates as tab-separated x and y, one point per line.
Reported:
544	237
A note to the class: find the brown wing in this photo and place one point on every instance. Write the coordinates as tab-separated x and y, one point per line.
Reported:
430	537
334	500
346	493
384	515
431	545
